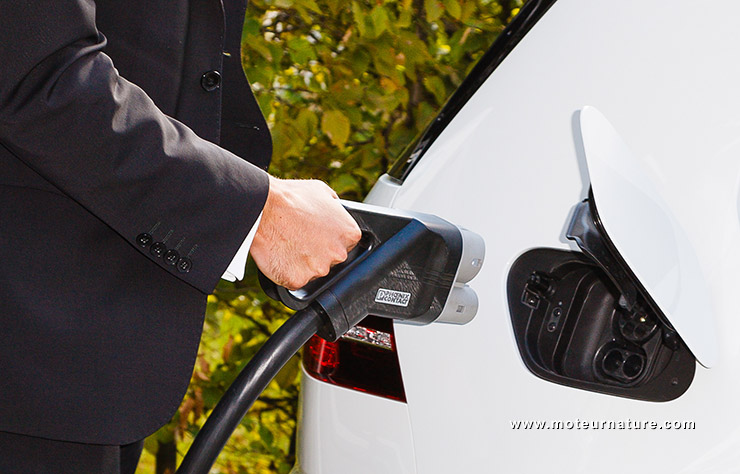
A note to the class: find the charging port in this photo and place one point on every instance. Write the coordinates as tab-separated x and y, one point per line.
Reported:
573	327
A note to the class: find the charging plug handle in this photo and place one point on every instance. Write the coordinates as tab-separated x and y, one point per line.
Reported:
337	302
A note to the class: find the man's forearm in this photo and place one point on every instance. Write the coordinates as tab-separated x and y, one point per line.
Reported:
67	114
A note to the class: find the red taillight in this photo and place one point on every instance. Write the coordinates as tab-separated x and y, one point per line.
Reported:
365	360
321	356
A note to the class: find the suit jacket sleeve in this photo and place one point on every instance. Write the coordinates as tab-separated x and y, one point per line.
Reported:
67	114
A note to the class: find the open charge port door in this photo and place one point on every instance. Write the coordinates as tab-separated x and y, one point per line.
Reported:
633	313
571	329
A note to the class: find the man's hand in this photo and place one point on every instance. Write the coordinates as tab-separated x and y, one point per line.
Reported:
303	232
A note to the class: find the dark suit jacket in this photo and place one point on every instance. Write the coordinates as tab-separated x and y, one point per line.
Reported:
118	213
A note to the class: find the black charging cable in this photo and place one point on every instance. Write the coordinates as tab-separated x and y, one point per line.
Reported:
249	384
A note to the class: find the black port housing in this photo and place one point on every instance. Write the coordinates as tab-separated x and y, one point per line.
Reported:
573	327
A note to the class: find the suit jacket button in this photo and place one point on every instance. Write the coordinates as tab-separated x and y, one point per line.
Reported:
171	257
158	249
210	81
184	265
144	239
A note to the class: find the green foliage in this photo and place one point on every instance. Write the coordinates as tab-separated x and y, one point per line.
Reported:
345	86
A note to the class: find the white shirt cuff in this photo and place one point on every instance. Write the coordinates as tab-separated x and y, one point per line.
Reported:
236	268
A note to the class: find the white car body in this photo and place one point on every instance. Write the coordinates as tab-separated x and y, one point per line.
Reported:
666	75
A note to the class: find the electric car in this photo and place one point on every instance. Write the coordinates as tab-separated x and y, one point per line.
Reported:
596	148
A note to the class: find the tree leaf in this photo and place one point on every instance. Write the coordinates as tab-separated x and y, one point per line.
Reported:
436	86
344	183
287	141
228	347
388	85
300	50
415	50
381	21
309	4
335	6
345	93
453	8
306	123
359	61
266	435
251	27
260	47
467	10
433	9
359	16
336	126
383	59
287	375
405	18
